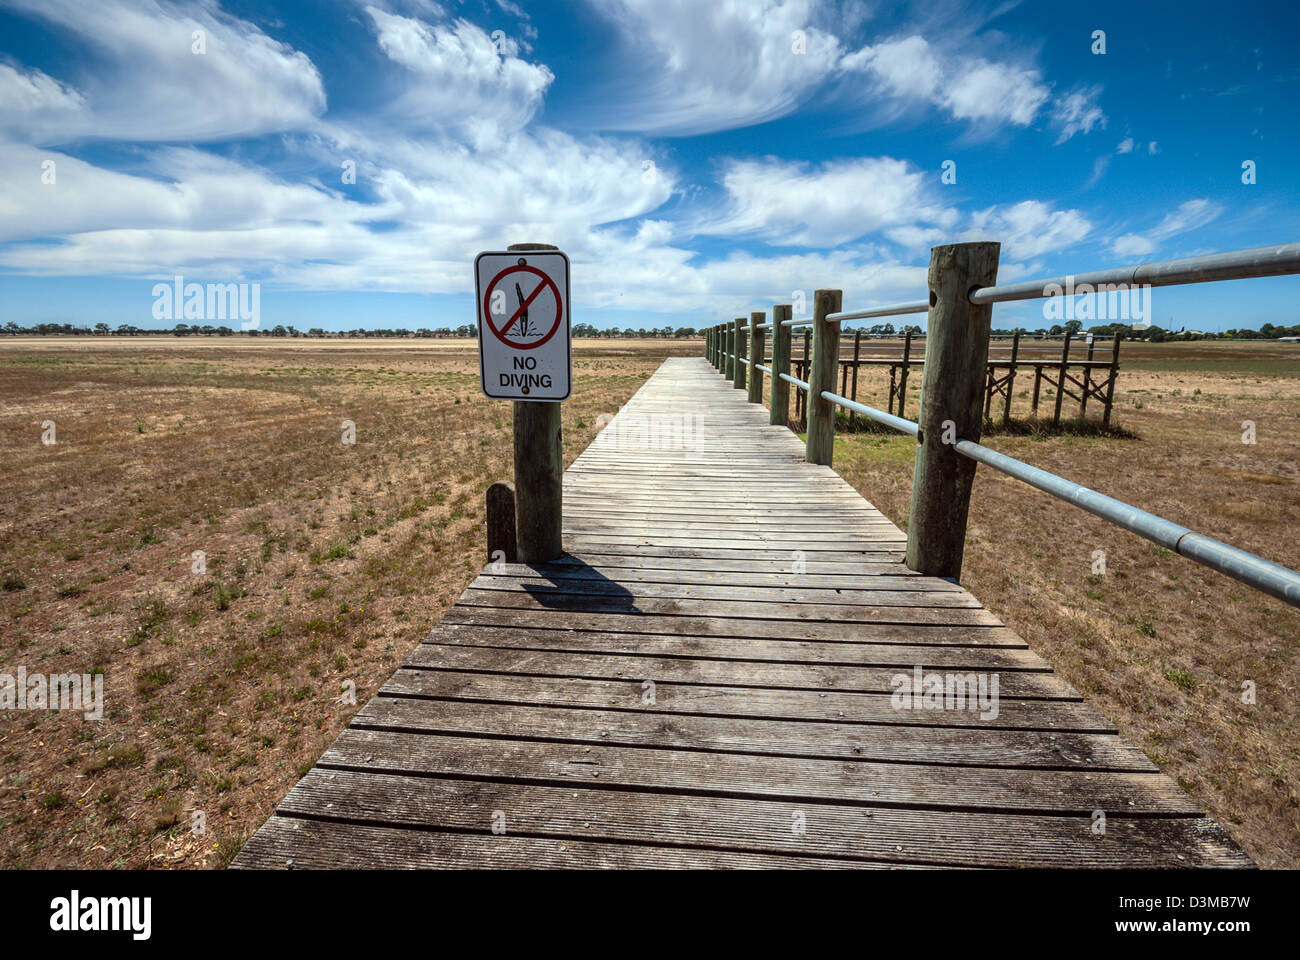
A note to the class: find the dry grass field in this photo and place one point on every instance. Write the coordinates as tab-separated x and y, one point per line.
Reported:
327	561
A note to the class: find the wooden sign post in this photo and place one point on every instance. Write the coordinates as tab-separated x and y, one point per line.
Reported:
515	349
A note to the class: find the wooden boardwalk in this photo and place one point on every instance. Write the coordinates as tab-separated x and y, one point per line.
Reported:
705	681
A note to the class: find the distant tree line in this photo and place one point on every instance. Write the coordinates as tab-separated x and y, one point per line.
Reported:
207	330
1152	334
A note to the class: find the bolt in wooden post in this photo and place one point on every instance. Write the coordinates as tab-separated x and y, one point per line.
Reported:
539	471
1011	377
1110	385
1060	379
742	368
902	377
501	523
757	347
820	445
729	368
780	398
956	358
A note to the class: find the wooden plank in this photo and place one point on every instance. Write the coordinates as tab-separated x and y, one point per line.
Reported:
882	631
1055	716
845	833
866	783
291	843
955	746
790	676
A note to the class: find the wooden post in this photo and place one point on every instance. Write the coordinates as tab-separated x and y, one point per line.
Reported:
780	398
721	333
801	398
729	368
757	347
857	351
1110	385
1038	382
1087	380
1060	379
539	471
501	523
738	381
708	345
820	445
1011	377
902	376
956	358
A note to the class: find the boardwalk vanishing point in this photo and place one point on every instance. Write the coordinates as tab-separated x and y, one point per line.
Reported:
706	680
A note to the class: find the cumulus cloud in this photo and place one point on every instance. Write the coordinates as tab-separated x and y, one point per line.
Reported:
824	205
1028	229
972	88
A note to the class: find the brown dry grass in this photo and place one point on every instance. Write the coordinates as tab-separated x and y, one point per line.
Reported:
326	562
1159	644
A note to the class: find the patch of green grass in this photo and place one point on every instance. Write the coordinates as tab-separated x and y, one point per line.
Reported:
1182	680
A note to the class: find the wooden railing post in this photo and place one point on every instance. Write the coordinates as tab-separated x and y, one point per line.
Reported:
1110	384
729	367
757	347
1060	379
738	380
1011	377
780	396
857	352
720	337
820	446
539	471
956	361
902	375
1087	379
708	345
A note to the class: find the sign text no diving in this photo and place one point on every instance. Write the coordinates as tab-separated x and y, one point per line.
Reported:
523	324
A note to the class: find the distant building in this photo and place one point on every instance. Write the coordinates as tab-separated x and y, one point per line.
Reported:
1289	339
1141	325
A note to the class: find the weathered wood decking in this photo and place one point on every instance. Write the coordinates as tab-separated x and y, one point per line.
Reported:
674	694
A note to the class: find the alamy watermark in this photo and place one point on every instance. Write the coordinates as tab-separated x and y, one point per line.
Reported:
57	691
924	690
655	432
1101	301
179	300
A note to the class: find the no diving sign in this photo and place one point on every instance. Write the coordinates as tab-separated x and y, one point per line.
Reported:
523	324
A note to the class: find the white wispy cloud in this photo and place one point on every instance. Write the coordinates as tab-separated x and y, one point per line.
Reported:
697	67
1189	215
150	85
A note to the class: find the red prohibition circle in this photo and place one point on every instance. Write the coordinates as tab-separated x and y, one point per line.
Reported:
487	312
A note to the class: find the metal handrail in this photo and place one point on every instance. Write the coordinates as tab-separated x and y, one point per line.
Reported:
897	310
801	384
1272	578
1236	265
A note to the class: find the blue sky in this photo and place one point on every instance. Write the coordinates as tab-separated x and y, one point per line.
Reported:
695	159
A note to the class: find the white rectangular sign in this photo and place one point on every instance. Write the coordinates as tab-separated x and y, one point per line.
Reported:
524	346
